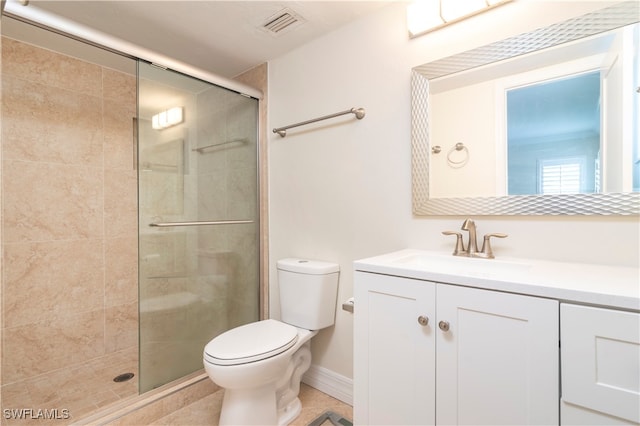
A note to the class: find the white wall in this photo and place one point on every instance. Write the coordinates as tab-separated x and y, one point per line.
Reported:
341	190
465	115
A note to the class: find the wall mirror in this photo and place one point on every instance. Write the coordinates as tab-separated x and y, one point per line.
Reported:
486	135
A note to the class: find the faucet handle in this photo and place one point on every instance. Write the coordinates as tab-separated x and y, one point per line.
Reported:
486	244
459	244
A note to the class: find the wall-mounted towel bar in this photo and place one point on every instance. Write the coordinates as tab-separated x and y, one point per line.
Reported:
359	113
202	148
199	223
146	166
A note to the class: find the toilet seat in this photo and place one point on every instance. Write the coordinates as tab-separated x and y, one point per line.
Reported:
251	342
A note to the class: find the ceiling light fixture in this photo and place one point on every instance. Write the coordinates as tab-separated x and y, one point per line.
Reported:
167	118
424	16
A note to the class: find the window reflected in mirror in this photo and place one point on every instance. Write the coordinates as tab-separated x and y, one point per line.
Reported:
553	136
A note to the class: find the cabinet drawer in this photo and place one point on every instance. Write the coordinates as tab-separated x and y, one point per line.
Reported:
600	353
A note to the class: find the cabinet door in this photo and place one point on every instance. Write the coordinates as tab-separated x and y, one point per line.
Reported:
394	363
498	362
600	362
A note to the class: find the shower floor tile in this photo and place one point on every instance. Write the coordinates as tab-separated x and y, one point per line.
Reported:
76	391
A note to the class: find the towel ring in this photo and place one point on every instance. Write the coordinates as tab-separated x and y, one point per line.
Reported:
456	164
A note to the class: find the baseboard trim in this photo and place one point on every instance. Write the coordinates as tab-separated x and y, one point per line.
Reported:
330	382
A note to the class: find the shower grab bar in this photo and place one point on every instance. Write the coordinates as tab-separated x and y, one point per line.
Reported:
202	148
359	113
198	223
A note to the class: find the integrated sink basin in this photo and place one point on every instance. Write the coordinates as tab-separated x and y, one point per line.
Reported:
604	285
438	263
461	265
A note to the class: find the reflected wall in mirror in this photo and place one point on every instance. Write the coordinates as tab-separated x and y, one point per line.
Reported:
550	122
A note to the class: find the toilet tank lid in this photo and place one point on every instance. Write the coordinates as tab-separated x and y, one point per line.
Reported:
307	266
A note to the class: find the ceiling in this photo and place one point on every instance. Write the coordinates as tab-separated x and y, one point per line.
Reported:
223	37
548	109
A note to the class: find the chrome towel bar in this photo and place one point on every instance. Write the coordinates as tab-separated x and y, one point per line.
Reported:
199	223
359	113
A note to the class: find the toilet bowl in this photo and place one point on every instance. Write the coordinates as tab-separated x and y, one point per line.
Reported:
260	364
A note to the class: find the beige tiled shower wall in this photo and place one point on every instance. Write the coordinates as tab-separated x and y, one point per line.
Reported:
69	242
257	77
227	186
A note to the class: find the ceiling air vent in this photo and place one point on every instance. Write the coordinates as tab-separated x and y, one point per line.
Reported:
282	21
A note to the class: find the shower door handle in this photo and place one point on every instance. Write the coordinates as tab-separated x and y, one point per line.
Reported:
199	223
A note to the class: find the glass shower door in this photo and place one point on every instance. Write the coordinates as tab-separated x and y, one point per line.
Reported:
198	219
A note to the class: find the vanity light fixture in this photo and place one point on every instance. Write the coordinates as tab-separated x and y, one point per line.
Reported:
167	118
424	16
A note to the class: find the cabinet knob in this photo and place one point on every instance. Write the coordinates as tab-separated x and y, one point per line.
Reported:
444	325
422	320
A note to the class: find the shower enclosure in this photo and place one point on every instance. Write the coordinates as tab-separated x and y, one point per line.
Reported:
198	221
130	237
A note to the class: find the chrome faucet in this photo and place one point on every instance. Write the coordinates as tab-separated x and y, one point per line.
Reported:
472	251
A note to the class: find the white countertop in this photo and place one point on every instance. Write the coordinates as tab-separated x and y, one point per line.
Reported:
613	286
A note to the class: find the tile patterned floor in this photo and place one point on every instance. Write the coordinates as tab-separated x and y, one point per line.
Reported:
206	411
202	412
80	389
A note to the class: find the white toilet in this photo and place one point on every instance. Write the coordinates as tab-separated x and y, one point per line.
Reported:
260	364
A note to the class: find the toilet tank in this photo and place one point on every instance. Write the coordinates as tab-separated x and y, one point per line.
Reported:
308	292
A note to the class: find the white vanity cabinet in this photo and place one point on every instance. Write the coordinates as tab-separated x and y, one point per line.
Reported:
431	353
498	362
600	366
394	354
